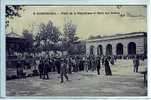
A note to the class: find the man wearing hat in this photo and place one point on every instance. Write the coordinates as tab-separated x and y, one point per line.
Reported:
63	70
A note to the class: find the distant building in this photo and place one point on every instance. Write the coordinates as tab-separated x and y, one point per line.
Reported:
15	43
119	44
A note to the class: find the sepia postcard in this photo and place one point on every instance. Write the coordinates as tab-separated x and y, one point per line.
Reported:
75	51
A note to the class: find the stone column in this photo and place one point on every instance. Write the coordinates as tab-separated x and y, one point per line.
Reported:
104	49
125	49
87	49
113	49
95	50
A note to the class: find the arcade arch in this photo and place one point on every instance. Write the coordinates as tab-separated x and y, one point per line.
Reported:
119	49
99	50
91	50
109	49
131	48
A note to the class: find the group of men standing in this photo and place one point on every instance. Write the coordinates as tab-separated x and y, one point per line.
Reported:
45	65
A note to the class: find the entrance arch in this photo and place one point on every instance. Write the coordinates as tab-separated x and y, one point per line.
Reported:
92	50
132	48
119	49
109	49
99	50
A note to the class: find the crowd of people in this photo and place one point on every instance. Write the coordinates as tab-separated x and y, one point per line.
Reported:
68	64
65	65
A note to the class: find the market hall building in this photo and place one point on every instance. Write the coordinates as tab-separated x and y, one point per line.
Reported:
128	44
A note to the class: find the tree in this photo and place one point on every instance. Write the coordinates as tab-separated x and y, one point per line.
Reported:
27	35
12	11
69	36
48	36
29	39
79	48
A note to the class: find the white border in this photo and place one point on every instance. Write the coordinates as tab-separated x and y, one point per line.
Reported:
149	47
66	2
2	47
83	2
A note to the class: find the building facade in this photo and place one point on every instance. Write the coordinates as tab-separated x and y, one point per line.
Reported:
119	44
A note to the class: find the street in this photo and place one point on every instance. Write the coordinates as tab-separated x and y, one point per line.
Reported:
123	82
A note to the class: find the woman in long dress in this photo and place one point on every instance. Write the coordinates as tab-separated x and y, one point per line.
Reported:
107	67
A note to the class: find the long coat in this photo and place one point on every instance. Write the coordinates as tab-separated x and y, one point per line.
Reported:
40	67
107	68
58	64
98	64
136	62
46	68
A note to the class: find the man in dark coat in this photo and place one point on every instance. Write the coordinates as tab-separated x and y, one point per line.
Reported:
40	68
136	64
18	65
58	64
70	66
81	64
98	65
19	69
53	65
45	70
63	71
107	67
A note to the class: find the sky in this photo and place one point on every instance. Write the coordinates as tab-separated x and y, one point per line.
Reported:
90	20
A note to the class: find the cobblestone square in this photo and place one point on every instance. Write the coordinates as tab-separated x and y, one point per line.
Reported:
123	82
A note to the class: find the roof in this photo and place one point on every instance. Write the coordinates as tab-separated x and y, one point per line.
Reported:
118	36
14	35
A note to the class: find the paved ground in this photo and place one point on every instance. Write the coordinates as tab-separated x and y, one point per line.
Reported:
123	83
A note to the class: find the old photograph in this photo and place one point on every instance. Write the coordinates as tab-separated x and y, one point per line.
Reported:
76	50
